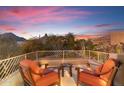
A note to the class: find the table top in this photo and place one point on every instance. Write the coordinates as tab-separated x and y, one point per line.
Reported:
66	64
43	61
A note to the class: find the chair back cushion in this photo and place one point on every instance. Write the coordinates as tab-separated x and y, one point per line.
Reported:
107	66
34	67
98	69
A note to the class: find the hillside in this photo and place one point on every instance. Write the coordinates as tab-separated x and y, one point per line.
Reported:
12	36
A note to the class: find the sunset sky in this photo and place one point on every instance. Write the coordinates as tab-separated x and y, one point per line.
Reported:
34	21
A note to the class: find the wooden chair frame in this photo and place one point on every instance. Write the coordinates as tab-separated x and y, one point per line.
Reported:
31	82
110	80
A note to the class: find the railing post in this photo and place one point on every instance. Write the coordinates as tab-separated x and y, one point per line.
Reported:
84	53
25	56
63	53
89	54
98	56
36	55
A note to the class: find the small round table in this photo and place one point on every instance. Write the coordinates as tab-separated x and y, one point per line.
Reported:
66	65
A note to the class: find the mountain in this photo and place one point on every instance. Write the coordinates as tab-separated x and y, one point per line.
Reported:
13	36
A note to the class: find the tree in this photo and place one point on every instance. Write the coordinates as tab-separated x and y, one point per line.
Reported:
52	42
69	41
32	45
78	45
89	45
8	47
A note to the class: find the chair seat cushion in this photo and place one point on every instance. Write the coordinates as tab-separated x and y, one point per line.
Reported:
108	65
91	80
48	79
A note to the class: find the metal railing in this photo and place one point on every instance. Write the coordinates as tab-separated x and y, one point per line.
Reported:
10	65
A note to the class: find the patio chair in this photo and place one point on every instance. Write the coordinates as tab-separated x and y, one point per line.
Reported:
34	75
102	75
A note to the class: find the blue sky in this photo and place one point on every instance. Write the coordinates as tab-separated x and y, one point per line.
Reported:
35	21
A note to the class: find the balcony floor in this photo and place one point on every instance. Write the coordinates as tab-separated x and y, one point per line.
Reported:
67	80
16	79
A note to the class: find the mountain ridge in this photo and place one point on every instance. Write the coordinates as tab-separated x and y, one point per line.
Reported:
13	36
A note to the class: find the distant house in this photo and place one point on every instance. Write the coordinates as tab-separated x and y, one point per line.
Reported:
102	40
116	37
112	38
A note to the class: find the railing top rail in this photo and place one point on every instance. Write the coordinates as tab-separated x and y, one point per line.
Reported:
53	51
11	58
100	52
57	50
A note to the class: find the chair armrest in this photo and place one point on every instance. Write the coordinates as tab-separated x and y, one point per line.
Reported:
39	73
93	63
51	69
79	68
46	70
97	74
92	72
86	71
56	68
102	73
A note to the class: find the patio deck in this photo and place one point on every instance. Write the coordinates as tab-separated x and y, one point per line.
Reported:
16	80
67	80
9	74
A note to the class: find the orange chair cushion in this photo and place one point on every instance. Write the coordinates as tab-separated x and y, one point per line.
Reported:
91	80
39	80
48	79
98	69
33	67
109	64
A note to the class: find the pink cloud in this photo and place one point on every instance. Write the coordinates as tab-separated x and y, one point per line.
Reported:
28	16
86	27
53	15
28	12
104	25
9	28
42	14
97	26
52	18
77	12
108	25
